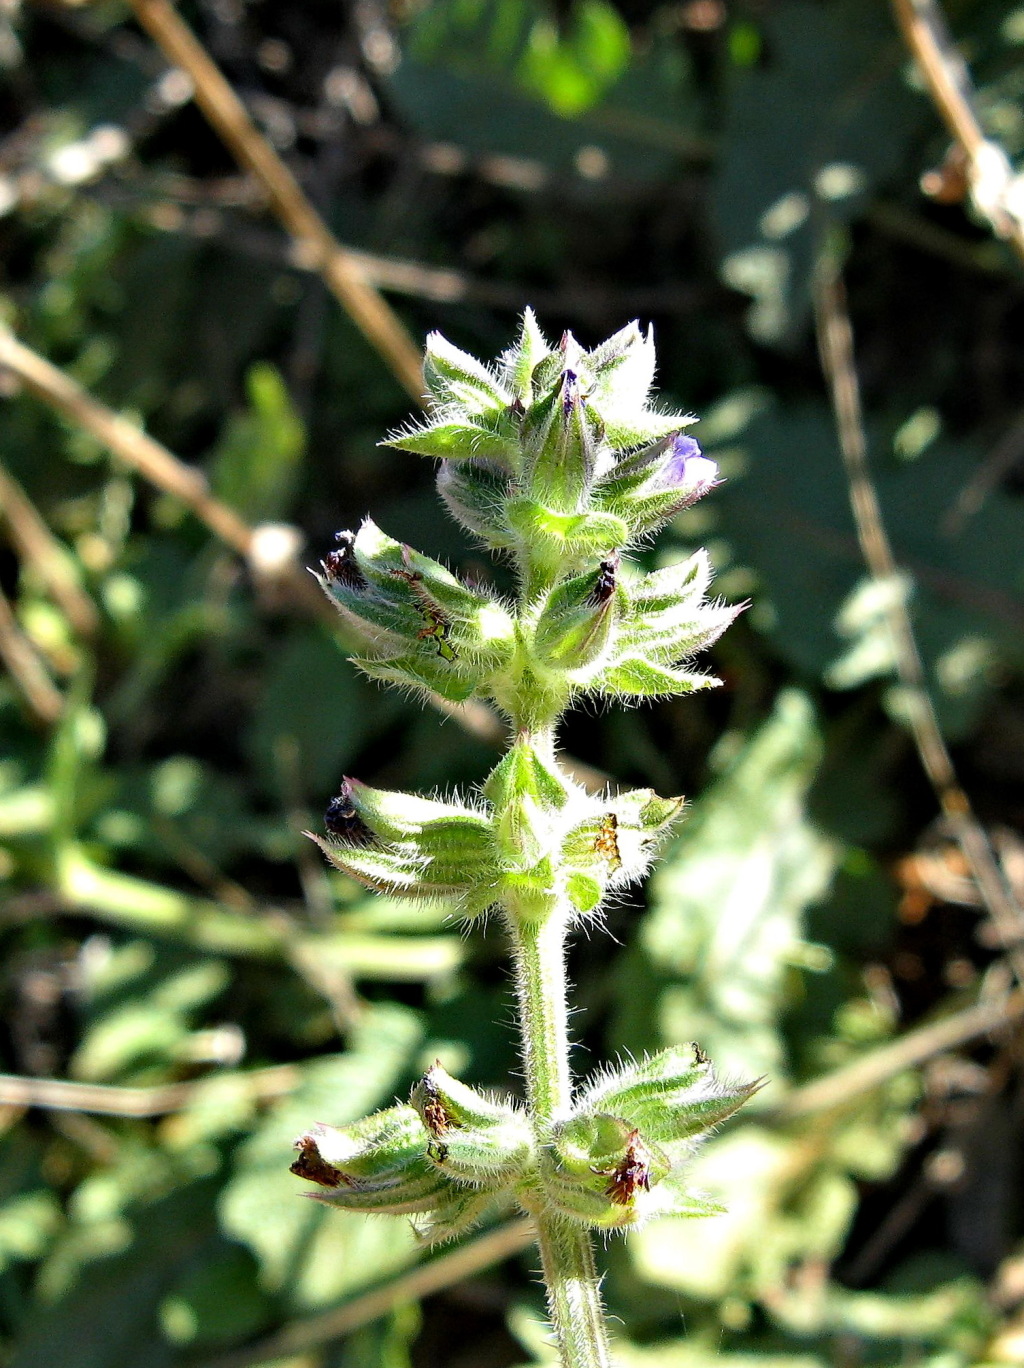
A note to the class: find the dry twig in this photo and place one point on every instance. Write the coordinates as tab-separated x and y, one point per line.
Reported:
1000	461
102	1099
341	271
835	342
483	1252
989	174
130	444
914	1048
37	546
26	668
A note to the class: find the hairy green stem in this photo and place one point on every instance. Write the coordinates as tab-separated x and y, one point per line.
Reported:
539	955
574	1293
573	1287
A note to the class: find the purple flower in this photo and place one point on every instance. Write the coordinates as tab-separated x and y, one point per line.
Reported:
686	470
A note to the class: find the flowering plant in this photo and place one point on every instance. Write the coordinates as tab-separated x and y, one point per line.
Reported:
557	459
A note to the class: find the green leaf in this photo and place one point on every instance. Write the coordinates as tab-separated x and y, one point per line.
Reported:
258	459
573	70
28	1224
309	1255
311	716
729	901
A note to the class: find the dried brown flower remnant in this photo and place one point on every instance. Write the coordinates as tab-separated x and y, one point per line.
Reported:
632	1173
607	579
606	842
340	566
342	820
312	1166
436	1116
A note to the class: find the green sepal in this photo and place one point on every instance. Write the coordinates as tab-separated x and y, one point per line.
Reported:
618	841
584	891
454	378
622	371
662	590
576	626
668	618
423	675
474	1140
458	1210
636	678
377	1164
491	438
530	895
603	1172
672	1096
476	494
591	535
524	771
666	638
401	871
397	571
525	792
436	827
375	625
519	364
626	430
643	514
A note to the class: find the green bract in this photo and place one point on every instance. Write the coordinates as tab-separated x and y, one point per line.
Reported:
557	459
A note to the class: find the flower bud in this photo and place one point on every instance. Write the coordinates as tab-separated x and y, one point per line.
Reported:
415	622
576	625
476	494
474	1140
562	438
377	1164
410	846
455	379
671	1096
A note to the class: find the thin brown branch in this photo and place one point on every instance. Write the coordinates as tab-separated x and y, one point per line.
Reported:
342	273
39	548
916	1047
999	462
101	1099
989	173
141	453
129	443
429	1278
26	668
835	342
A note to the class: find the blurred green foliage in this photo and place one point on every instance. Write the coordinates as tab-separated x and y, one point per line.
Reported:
165	922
